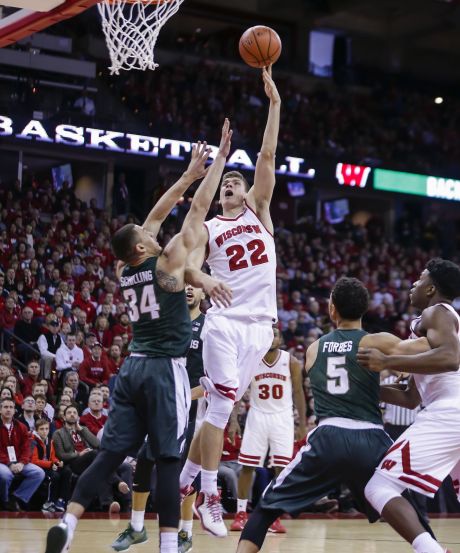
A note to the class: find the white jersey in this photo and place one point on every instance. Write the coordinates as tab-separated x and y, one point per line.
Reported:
443	387
271	387
241	253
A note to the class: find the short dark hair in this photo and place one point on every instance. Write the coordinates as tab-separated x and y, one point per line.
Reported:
351	298
445	276
41	422
71	406
236	175
7	399
40	396
124	241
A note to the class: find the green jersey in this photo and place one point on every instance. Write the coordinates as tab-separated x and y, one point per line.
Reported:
195	368
160	319
340	386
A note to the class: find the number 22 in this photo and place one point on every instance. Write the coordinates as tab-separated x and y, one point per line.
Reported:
236	255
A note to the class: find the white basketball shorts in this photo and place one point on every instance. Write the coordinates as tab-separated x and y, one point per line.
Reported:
232	352
267	431
427	451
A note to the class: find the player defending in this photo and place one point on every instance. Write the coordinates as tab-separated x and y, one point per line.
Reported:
135	532
152	393
350	440
275	388
428	450
241	253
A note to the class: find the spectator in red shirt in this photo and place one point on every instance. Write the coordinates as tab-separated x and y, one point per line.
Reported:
94	370
38	306
9	315
83	301
124	326
15	453
94	420
115	359
102	331
229	468
44	456
32	377
11	382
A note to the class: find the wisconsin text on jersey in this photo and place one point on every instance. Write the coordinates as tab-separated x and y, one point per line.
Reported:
137	278
235	231
270	375
337	347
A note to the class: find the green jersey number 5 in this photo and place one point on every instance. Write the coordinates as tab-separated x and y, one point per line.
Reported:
147	305
337	375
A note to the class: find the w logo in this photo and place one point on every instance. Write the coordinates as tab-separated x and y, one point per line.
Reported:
352	175
388	464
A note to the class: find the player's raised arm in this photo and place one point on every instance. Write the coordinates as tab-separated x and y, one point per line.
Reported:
444	355
260	195
196	170
174	257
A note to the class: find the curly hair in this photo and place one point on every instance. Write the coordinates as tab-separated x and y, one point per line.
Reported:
351	298
445	276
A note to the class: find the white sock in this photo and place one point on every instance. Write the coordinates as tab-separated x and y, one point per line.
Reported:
71	521
168	542
424	543
241	505
187	526
137	520
189	473
209	481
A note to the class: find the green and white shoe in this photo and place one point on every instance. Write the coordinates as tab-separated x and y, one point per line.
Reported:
128	538
185	543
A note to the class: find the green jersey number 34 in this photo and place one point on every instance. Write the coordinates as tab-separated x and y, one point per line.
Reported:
147	306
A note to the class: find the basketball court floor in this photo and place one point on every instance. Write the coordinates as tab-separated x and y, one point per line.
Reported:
26	534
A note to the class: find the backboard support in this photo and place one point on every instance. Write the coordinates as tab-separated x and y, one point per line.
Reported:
45	13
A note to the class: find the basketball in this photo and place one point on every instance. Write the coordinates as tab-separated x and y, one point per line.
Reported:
260	46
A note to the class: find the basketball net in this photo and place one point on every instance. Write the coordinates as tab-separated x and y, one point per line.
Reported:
131	29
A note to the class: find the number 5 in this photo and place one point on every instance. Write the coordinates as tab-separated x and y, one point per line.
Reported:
337	375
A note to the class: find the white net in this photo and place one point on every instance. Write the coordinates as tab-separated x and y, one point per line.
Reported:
131	30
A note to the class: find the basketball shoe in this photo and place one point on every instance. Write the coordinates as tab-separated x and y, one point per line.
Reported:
239	521
57	540
184	542
128	538
186	491
209	510
277	527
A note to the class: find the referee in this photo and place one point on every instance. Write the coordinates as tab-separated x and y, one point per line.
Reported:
397	419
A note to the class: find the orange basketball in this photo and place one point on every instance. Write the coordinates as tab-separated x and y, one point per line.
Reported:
260	46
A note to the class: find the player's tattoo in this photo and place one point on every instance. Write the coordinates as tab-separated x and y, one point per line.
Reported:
167	282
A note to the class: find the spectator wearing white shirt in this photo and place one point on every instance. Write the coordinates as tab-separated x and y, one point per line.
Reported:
48	344
69	356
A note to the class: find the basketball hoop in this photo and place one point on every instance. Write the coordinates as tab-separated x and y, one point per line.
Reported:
131	29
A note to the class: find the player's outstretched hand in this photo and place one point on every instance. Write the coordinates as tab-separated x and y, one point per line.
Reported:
269	85
219	292
372	359
196	168
225	139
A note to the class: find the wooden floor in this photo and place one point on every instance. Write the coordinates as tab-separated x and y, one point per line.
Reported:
23	534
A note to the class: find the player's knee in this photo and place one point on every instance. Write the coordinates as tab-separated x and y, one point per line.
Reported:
380	490
219	411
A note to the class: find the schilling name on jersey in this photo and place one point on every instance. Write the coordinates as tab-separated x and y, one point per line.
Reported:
235	231
137	278
337	347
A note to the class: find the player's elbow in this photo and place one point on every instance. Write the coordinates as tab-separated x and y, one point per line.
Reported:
267	153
